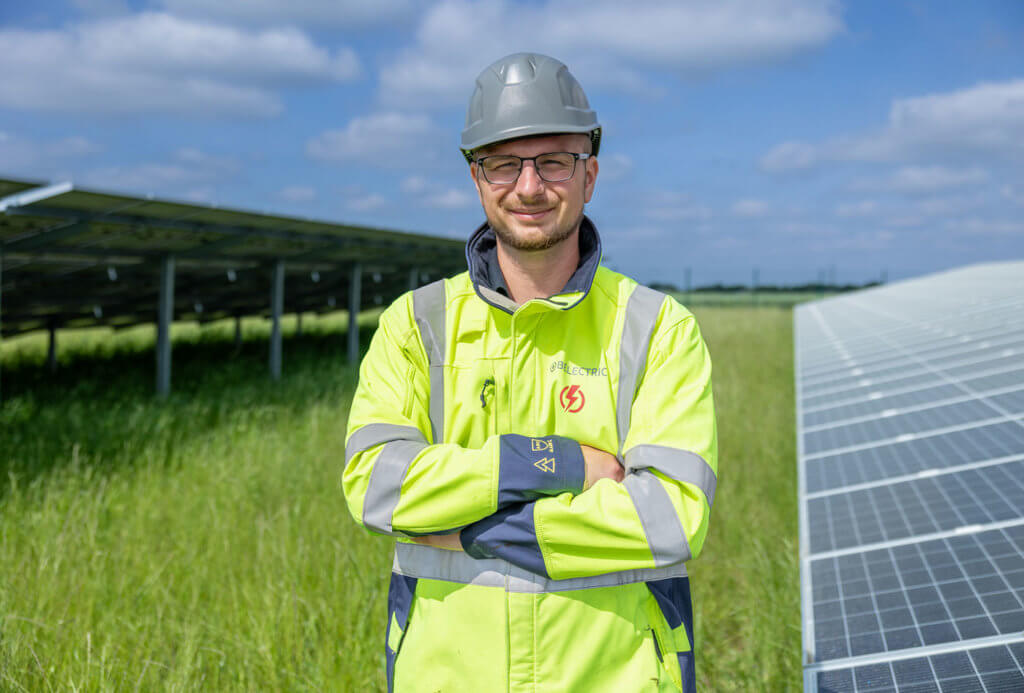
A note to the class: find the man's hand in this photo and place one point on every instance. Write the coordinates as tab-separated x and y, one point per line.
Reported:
600	465
452	542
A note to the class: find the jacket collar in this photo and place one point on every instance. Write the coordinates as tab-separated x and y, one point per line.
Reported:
485	273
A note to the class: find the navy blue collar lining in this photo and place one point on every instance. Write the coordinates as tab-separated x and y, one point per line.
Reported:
484	271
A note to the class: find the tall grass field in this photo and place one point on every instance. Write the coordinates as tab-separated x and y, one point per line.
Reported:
202	542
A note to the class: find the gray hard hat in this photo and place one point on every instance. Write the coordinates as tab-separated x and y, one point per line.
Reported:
526	94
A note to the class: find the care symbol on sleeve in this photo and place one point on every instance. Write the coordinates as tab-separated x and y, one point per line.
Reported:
540	445
545	464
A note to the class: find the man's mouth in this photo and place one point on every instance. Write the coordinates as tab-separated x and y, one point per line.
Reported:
530	215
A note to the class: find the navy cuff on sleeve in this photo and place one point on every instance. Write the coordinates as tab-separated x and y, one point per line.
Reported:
509	534
531	468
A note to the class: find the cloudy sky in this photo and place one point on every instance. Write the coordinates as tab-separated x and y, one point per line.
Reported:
784	135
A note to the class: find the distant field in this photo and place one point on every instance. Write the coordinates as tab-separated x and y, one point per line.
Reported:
785	299
202	542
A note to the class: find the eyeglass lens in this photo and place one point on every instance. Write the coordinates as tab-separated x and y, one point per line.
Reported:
553	168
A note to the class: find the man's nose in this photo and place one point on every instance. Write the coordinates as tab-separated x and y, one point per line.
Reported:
530	182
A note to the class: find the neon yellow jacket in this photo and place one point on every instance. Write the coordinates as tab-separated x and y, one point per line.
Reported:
469	415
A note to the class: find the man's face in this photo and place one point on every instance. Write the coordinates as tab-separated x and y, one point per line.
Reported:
533	214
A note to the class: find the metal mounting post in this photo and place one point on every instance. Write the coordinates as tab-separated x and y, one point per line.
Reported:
355	302
51	351
276	308
165	315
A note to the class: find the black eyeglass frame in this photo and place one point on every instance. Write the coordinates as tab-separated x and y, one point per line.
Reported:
576	158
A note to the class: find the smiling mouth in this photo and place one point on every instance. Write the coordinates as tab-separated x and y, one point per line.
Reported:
530	215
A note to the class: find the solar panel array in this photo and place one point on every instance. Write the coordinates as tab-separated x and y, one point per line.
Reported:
78	258
910	429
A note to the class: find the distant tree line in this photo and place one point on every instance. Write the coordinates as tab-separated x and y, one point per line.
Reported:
816	287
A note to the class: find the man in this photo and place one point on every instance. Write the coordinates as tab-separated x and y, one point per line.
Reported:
538	432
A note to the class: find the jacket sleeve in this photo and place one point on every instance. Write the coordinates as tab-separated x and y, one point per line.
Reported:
658	515
397	481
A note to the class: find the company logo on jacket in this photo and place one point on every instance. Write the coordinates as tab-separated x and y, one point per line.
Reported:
571	398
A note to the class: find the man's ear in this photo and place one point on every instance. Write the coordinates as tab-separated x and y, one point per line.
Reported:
590	179
473	171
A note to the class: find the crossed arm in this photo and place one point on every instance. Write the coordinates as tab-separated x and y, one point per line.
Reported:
599	465
492	502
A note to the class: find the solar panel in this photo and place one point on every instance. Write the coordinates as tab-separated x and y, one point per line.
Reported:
910	415
916	455
919	593
915	507
994	669
878	401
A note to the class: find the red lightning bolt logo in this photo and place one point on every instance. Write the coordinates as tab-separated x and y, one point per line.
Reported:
572	399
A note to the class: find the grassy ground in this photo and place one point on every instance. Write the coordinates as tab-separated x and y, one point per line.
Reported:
202	542
746	583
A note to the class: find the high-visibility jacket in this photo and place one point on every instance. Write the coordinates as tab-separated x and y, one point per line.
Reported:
469	415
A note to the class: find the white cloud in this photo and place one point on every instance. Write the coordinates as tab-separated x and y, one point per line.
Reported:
615	167
807	228
200	160
20	154
947	205
864	208
451	198
905	221
1013	194
101	7
605	42
187	169
297	193
385	139
921	179
628	238
986	116
433	194
670	206
367	202
153	62
985	119
203	195
72	146
750	208
987	227
414	185
790	156
318	13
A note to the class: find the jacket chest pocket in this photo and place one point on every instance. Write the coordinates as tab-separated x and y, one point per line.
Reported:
476	401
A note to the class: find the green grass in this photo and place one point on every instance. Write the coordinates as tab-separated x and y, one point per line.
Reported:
202	542
746	581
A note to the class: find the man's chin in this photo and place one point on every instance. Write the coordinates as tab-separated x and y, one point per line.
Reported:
531	238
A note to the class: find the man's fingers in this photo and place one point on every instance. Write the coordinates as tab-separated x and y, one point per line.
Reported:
600	465
452	542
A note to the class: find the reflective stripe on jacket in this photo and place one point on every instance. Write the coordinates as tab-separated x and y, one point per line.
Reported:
468	416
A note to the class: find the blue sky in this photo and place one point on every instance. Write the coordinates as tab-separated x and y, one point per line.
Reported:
784	135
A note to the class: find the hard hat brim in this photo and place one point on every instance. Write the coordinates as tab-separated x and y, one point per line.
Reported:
469	148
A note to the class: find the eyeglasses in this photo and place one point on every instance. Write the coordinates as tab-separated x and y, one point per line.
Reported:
553	167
